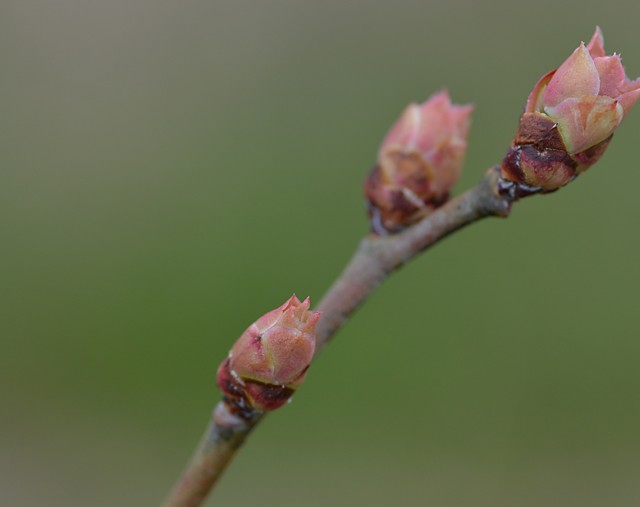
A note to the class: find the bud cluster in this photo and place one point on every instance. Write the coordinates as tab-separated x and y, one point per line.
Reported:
270	359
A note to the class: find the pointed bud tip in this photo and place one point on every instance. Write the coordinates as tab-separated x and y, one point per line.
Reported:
596	44
441	96
576	77
293	301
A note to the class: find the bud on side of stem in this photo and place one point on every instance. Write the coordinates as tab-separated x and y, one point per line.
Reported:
419	161
270	359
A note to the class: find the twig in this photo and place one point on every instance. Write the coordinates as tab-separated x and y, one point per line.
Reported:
374	260
224	435
377	257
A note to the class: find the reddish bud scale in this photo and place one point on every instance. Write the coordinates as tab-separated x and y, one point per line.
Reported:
391	209
244	397
269	360
569	119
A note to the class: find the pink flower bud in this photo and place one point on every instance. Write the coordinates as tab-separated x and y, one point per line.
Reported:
270	359
569	118
419	161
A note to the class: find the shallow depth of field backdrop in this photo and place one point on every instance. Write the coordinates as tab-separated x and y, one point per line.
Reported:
171	170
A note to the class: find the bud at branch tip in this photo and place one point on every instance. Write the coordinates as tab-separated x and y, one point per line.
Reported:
569	119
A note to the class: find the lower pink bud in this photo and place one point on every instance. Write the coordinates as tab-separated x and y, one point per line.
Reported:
270	359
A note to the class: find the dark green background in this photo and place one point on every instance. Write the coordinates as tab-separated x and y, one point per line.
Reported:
170	170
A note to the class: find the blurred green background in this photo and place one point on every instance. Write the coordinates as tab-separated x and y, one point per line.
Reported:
171	170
